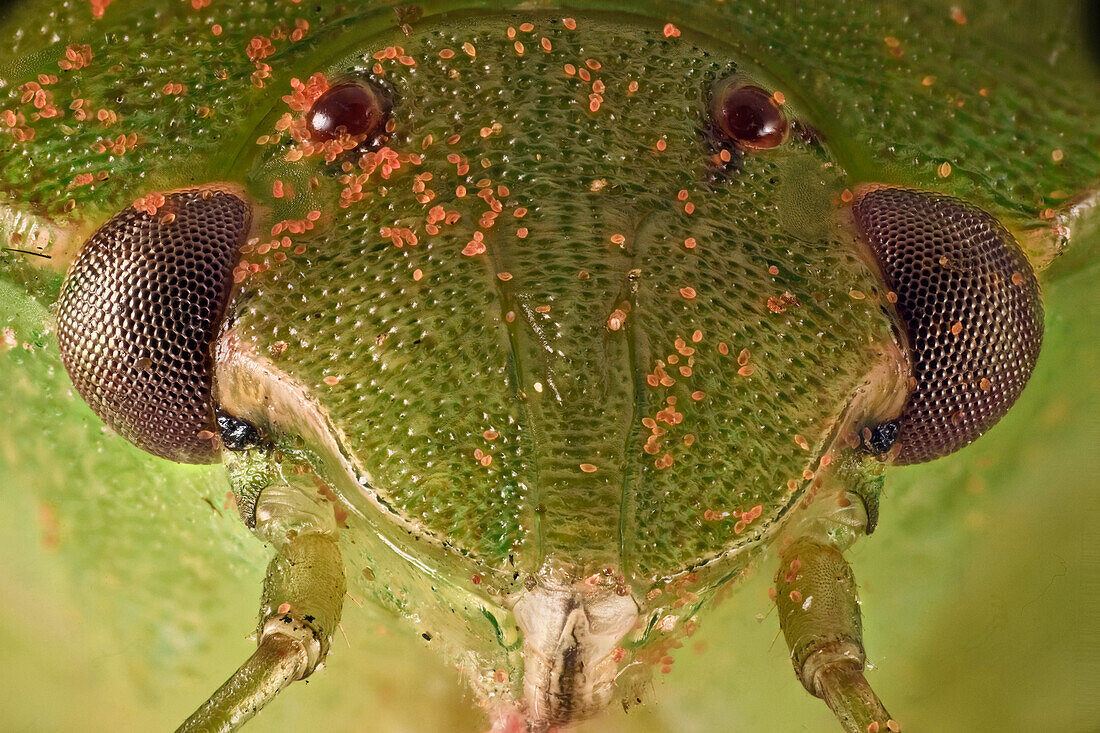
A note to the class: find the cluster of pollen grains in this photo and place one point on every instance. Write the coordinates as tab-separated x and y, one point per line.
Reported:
543	226
142	90
139	311
970	304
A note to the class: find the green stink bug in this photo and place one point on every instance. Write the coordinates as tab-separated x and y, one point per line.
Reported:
443	398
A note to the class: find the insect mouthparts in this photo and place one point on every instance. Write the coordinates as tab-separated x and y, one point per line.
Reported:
570	639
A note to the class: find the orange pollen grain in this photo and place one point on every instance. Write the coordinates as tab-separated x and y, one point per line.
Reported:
616	320
473	247
588	468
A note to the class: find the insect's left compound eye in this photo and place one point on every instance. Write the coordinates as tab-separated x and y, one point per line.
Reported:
139	312
358	110
748	116
970	305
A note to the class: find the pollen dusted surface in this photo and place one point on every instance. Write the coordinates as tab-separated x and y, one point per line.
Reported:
992	102
899	88
546	334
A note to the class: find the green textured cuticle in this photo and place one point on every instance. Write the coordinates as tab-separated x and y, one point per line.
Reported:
482	390
250	472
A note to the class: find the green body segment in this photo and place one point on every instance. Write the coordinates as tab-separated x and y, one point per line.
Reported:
895	92
617	336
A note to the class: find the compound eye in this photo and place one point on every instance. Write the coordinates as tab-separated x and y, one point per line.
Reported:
748	116
351	108
970	305
139	311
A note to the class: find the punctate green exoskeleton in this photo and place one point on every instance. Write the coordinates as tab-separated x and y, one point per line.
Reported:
541	328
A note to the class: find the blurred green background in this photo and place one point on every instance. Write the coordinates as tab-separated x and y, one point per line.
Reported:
129	590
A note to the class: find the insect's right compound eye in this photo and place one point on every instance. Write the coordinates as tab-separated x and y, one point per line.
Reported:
138	314
970	305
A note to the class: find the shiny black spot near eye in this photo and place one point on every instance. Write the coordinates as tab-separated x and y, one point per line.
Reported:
237	434
749	117
881	438
355	109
